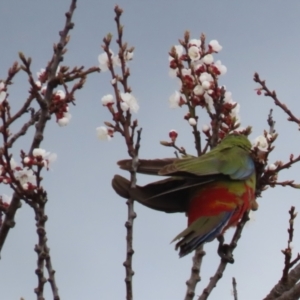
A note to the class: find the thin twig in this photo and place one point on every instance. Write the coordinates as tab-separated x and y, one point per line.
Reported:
235	294
277	102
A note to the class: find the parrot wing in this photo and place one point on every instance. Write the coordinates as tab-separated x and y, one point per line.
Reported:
168	195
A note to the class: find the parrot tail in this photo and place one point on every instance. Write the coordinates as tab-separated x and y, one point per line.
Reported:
164	195
121	186
203	230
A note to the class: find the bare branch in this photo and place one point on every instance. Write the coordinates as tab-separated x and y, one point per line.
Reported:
227	257
277	102
195	273
235	294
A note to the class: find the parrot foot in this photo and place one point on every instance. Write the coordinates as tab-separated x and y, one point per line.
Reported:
224	250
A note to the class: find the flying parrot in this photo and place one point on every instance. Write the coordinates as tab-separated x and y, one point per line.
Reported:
214	190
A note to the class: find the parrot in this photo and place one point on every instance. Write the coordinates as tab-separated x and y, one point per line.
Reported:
213	190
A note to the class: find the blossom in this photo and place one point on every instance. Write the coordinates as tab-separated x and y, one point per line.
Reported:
222	69
107	100
178	50
104	60
205	77
198	90
195	42
60	95
271	167
206	84
209	101
215	46
104	133
116	60
234	110
194	53
205	128
261	143
2	93
38	84
129	102
192	121
6	199
39	152
40	155
25	176
228	97
65	119
176	100
208	59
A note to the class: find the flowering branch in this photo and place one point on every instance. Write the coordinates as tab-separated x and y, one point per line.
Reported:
25	180
121	113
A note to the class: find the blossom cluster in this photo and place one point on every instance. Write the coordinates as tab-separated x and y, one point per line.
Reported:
107	62
124	102
198	73
25	175
59	105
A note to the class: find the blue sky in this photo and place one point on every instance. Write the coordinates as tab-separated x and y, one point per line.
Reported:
86	218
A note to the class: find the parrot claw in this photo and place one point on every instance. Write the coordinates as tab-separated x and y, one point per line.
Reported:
224	250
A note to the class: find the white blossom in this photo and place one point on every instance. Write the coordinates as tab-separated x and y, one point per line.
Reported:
107	99
192	121
130	102
208	59
47	157
261	143
205	77
38	84
222	69
216	47
65	120
25	176
26	160
198	90
61	94
39	152
104	60
206	84
195	42
103	133
6	199
194	53
271	167
205	128
209	101
175	100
